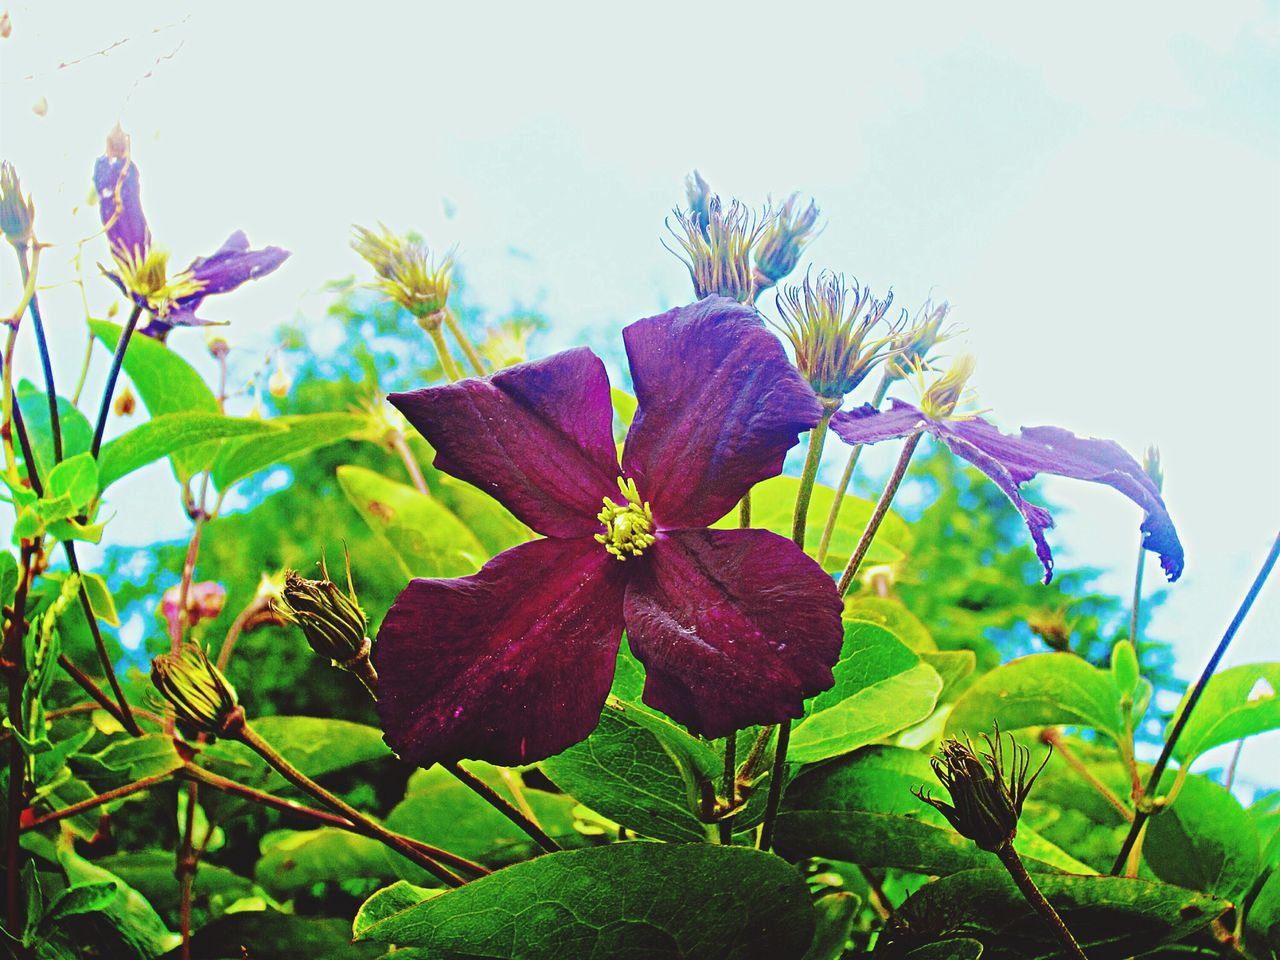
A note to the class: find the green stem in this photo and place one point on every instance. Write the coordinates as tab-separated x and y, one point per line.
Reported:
401	447
113	375
779	772
84	371
729	785
1171	739
119	793
1013	863
882	508
1053	737
812	460
249	737
42	343
495	800
1137	596
464	341
15	661
843	486
449	365
186	866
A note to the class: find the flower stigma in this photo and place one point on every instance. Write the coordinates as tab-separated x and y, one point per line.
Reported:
146	273
628	527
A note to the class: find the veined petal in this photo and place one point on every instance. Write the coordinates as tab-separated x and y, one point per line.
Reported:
510	665
120	206
233	264
866	424
719	407
1061	452
537	437
734	627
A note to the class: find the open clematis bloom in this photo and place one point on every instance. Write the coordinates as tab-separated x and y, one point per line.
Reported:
142	269
734	627
1012	461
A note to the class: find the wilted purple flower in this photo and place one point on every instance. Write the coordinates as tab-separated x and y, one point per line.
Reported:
1012	461
734	627
142	270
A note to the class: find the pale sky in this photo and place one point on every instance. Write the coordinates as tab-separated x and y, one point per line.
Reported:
1097	193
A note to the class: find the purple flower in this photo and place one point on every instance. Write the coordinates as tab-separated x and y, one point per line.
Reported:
142	270
1012	461
734	627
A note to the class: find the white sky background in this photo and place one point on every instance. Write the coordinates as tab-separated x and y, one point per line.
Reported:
1097	193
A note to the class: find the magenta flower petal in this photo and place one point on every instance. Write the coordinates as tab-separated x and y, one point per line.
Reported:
719	407
233	264
866	424
537	437
734	627
510	665
120	205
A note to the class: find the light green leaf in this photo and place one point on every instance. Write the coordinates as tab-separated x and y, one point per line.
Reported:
387	902
625	901
424	536
881	687
168	433
75	478
1236	703
77	434
100	598
893	616
492	523
293	860
245	456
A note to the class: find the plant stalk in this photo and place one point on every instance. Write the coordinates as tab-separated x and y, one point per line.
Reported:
809	476
495	800
42	343
113	375
729	785
125	711
1013	863
833	515
447	363
877	517
464	342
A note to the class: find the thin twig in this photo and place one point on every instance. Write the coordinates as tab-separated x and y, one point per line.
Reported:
495	800
878	515
1053	737
117	361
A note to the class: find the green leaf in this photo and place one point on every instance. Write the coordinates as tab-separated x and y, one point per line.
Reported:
8	578
127	928
168	433
953	948
100	598
1039	690
1204	841
150	872
881	687
279	936
77	435
625	901
1124	666
837	913
773	503
85	898
1115	916
493	524
75	478
893	616
387	902
440	810
955	667
1262	924
1236	703
624	406
424	537
245	456
293	860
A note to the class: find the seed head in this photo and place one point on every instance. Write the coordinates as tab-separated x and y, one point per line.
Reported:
784	240
202	699
916	342
940	399
330	618
407	272
718	250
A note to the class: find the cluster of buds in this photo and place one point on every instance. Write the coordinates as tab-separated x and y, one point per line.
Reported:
830	326
205	601
916	342
16	213
202	700
784	239
331	620
407	272
987	793
718	245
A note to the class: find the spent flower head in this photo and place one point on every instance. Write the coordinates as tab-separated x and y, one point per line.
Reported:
202	699
407	272
698	195
329	617
718	249
831	326
784	239
987	789
917	341
16	214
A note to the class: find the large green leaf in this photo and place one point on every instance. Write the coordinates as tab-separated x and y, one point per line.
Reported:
773	504
127	928
247	455
1236	703
893	616
1039	690
953	948
492	523
1262	924
424	536
881	687
1111	917
278	936
837	912
168	433
294	860
77	434
150	872
1204	841
625	901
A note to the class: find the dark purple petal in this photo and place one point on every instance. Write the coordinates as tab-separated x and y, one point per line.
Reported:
734	627
511	665
233	264
866	424
538	437
719	407
120	206
1058	451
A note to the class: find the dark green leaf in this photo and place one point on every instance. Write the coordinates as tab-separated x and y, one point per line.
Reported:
836	915
1262	924
625	901
278	936
85	898
956	948
293	860
387	902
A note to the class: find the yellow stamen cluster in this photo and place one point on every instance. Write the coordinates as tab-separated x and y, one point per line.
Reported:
147	275
939	400
628	527
407	272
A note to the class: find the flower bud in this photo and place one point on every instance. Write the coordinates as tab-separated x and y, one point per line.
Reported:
1151	466
1053	627
718	253
407	272
201	698
16	214
831	332
217	345
986	799
784	240
280	382
6	25
331	620
204	602
125	403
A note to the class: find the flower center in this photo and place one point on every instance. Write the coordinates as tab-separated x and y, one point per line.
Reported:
628	527
147	275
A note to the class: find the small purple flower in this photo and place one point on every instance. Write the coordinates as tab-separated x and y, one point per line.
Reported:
142	270
1012	461
734	627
